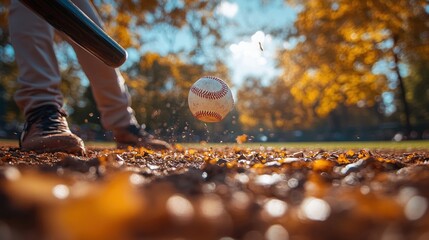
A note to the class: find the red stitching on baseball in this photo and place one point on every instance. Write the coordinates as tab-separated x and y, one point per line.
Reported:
211	95
215	115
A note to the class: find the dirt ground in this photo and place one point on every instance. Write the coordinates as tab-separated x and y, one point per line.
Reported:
215	193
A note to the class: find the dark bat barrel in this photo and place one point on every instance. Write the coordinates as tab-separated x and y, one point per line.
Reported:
69	19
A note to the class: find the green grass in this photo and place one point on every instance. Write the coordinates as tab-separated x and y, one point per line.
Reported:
385	145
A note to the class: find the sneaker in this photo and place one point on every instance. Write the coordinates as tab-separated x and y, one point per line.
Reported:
46	130
135	136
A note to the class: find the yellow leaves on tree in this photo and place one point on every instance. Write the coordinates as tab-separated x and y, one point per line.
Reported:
121	32
271	107
127	21
340	43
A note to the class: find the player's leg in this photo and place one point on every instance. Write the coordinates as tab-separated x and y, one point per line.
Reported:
111	94
38	95
39	77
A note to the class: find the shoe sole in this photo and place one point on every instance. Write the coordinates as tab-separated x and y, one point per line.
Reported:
67	143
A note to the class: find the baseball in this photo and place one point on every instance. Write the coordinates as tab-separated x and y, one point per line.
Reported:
210	99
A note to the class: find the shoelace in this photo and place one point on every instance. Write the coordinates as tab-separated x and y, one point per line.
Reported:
48	119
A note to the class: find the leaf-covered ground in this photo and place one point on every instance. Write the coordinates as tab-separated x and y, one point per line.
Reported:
215	193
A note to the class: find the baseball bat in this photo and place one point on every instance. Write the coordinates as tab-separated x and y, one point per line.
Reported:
66	17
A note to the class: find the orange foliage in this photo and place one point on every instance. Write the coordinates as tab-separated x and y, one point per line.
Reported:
339	43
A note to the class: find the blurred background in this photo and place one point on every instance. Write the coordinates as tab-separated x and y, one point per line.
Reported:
316	70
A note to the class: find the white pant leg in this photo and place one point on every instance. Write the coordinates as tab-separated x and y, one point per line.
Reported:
107	84
39	77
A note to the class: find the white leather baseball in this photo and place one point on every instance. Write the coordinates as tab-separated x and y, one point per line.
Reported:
210	99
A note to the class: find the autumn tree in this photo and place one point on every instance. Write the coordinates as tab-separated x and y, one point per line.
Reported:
270	107
418	85
338	45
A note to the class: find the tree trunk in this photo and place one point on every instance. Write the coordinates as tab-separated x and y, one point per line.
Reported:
402	93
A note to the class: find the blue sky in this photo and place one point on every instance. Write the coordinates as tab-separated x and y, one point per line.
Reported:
245	57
